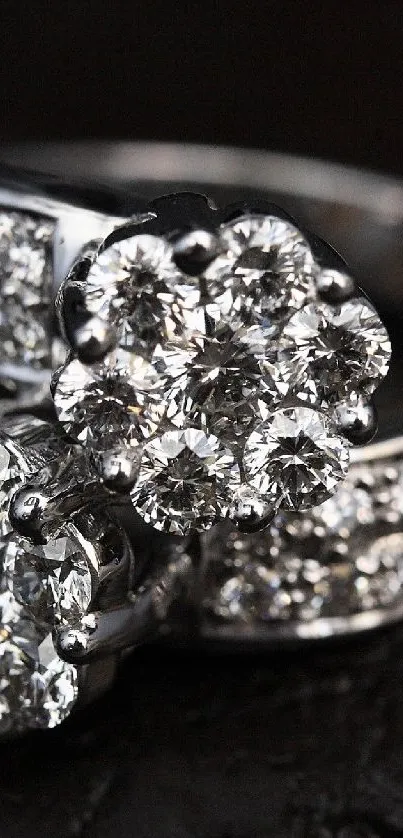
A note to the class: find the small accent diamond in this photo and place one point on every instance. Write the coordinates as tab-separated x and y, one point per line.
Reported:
330	562
186	480
295	458
342	348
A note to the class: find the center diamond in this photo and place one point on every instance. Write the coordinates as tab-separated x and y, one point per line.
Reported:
221	382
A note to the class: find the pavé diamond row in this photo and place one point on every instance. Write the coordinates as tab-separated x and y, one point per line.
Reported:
340	559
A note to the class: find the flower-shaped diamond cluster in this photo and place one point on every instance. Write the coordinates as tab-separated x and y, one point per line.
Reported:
224	374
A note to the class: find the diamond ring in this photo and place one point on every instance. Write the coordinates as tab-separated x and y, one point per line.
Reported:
196	474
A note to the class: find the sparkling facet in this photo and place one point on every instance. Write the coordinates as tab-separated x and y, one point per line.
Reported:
263	276
113	401
25	288
342	348
37	688
217	382
295	458
52	581
136	284
186	481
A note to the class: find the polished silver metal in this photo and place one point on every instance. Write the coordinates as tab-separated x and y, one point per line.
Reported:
93	340
335	286
195	250
142	614
359	423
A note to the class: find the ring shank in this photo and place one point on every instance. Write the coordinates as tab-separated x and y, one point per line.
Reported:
359	212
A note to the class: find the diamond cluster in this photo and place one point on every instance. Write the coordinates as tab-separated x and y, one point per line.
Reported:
39	587
340	558
226	382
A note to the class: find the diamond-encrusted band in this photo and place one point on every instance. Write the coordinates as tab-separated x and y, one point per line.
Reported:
222	368
339	568
40	236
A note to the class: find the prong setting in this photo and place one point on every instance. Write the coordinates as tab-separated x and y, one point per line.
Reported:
357	420
194	251
28	512
118	469
334	286
249	511
93	340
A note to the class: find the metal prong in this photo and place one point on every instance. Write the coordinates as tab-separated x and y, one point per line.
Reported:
334	286
118	469
104	633
108	632
70	299
29	511
249	511
89	336
194	251
357	421
39	507
93	340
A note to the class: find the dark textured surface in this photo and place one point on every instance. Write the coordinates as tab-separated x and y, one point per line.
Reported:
315	78
304	744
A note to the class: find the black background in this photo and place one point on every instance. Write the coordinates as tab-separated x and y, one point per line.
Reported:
322	78
304	744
